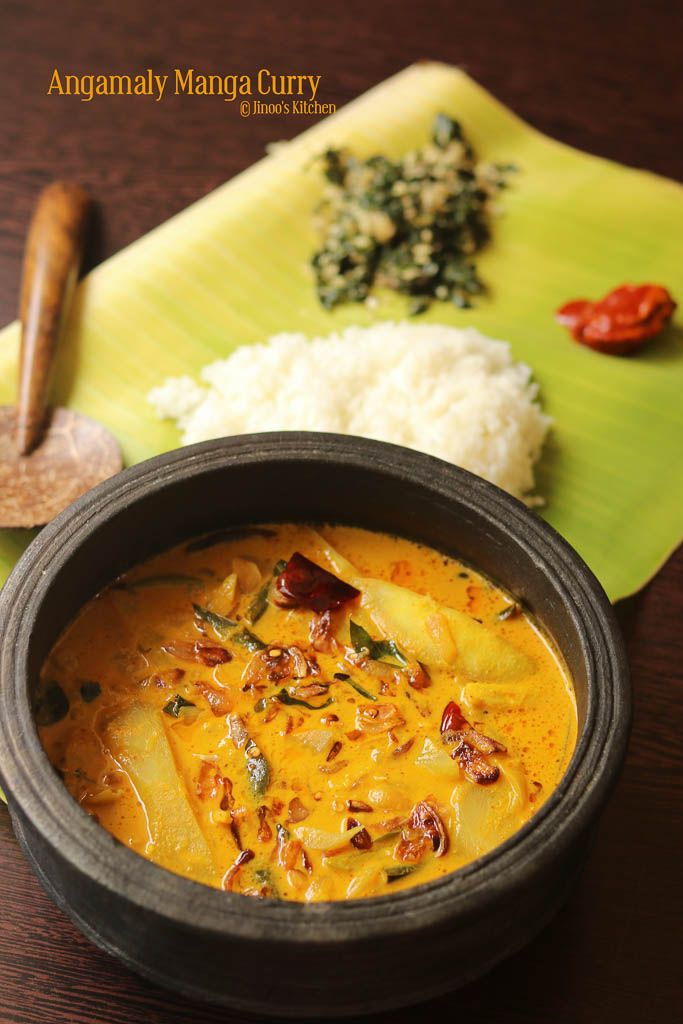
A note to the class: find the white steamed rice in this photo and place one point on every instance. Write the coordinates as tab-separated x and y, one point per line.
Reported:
452	393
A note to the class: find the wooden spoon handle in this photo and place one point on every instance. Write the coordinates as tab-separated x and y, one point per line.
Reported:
51	262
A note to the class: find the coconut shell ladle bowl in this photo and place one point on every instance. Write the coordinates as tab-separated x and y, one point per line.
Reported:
49	456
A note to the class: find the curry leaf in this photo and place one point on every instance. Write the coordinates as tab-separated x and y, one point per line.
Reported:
220	623
344	678
175	706
258	605
378	650
400	871
229	630
265	878
245	638
286	698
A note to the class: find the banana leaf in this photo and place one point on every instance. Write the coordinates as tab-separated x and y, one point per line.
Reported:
233	269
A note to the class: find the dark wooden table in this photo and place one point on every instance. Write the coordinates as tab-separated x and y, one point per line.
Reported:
604	76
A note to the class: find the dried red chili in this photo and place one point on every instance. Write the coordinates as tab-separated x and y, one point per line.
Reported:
452	718
205	654
474	763
321	633
620	322
303	584
425	829
362	840
232	872
265	832
469	746
359	806
209	781
297	811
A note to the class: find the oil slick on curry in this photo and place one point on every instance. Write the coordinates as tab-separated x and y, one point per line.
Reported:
307	715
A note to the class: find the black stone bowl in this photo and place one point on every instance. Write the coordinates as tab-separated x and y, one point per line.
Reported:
287	958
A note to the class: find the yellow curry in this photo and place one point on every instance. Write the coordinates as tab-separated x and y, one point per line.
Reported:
307	714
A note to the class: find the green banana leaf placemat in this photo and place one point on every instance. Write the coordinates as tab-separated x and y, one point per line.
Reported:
233	269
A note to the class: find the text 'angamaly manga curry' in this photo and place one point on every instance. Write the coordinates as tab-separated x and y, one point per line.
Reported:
307	715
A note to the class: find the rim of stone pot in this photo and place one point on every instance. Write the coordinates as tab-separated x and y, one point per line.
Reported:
32	785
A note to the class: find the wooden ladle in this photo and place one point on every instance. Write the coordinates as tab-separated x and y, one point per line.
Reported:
48	456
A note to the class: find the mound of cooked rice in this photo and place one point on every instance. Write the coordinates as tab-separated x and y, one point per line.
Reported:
452	393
